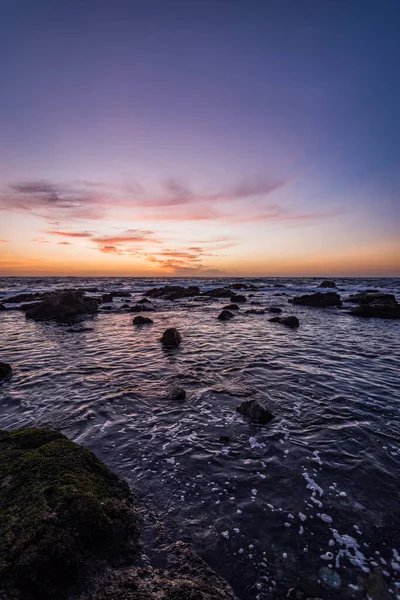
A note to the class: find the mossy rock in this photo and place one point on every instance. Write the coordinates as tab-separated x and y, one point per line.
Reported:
61	512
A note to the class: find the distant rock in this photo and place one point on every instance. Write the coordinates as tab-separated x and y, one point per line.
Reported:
62	305
238	299
142	308
225	315
80	330
107	297
121	294
372	298
2	307
318	300
231	307
327	283
139	320
219	293
255	311
290	321
143	301
177	394
243	286
30	297
254	412
5	371
274	309
173	292
171	337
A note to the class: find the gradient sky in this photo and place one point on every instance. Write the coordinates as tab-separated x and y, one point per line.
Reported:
200	137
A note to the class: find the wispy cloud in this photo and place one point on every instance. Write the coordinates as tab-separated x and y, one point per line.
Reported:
64	243
4	241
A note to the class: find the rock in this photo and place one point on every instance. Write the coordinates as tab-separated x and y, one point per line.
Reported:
143	301
177	394
372	298
231	307
274	309
142	308
255	311
2	307
171	337
377	311
290	321
106	307
81	330
107	297
219	293
253	411
62	305
121	294
5	371
139	320
173	292
330	578
327	283
238	299
225	315
243	286
318	300
61	513
24	298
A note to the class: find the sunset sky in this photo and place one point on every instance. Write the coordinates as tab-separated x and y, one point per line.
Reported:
200	137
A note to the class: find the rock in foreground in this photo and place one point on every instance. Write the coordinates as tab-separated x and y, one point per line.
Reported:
318	300
5	371
61	511
254	412
225	315
171	337
139	320
62	305
291	321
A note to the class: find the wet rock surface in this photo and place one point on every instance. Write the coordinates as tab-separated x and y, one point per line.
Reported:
254	412
62	305
171	337
318	300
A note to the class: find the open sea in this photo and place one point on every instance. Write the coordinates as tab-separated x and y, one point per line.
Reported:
309	501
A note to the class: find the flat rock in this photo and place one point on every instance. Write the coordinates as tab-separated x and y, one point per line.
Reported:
171	337
231	307
274	309
254	412
318	300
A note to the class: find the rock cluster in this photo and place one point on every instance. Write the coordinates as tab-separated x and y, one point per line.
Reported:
318	300
62	305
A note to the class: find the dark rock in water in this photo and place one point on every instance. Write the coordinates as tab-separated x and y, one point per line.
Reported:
219	293
377	311
253	411
107	297
24	298
238	299
327	283
2	307
225	315
372	298
186	577
5	371
255	311
139	320
243	286
173	292
288	321
171	337
121	294
142	308
231	307
81	330
62	305
61	513
177	394
274	309
125	306
143	301
318	300
106	307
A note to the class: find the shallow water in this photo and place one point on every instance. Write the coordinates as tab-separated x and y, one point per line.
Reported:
310	500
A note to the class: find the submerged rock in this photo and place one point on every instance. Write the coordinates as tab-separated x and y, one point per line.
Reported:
327	283
62	305
142	308
290	321
177	394
225	315
318	300
219	293
173	292
255	311
253	411
29	297
139	320
372	298
107	297
61	510
274	309
2	307
231	307
238	299
171	337
377	311
5	371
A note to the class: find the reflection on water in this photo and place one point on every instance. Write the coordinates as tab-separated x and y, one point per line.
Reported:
308	501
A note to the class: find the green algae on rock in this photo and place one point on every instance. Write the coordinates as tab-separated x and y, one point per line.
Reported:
61	510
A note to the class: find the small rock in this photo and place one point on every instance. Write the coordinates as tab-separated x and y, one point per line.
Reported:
255	311
318	300
139	320
107	297
5	370
231	307
288	321
274	309
142	308
225	315
238	298
2	307
177	394
143	301
327	283
253	411
171	337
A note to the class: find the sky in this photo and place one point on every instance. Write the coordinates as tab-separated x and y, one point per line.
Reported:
200	137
